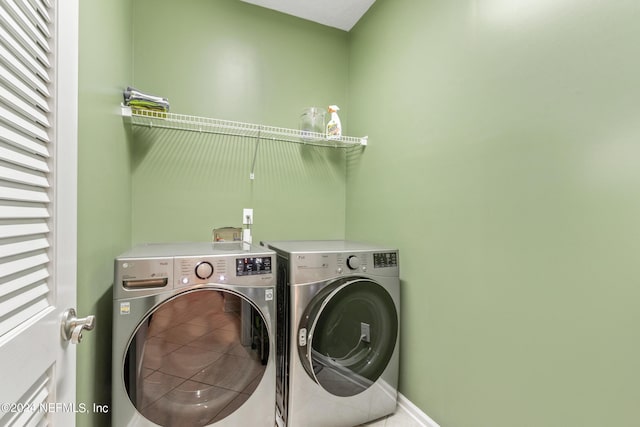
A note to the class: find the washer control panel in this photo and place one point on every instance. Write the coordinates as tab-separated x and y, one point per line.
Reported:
195	271
353	262
250	270
253	265
150	269
385	259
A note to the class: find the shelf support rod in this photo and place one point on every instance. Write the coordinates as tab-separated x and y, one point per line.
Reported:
252	175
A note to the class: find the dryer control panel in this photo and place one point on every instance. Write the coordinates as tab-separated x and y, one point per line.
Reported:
312	267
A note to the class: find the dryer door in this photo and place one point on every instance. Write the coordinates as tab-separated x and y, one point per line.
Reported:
189	361
347	335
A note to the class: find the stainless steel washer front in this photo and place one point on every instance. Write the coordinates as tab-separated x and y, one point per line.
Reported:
194	336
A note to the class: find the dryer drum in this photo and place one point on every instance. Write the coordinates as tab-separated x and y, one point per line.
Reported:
189	363
352	330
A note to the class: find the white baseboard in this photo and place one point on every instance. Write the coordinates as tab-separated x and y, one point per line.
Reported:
409	409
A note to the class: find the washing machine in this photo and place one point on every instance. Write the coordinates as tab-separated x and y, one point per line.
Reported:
338	332
194	336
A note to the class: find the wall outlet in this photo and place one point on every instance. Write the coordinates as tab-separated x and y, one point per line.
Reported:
247	216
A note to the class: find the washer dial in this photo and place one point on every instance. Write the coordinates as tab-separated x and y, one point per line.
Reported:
353	262
204	270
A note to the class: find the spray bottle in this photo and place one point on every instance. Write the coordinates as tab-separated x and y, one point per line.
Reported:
334	127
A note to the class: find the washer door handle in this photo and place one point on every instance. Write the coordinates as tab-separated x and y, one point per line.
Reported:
72	327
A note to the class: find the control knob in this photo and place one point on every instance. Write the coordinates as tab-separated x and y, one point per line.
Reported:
353	262
204	270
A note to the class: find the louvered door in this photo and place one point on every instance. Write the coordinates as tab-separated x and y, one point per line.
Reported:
38	153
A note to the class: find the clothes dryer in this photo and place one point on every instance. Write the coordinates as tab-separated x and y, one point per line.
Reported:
194	336
338	332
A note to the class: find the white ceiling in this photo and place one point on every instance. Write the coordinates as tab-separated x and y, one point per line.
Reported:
342	14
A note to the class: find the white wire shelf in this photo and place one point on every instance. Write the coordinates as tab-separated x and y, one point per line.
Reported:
162	120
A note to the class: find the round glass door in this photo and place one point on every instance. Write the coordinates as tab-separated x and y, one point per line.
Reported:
351	329
196	358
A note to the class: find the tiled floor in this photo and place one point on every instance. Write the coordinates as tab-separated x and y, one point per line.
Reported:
194	368
399	419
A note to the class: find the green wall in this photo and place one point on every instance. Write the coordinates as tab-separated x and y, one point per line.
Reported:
104	187
222	59
229	60
503	163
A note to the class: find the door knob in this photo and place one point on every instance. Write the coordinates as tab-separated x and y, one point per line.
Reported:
72	327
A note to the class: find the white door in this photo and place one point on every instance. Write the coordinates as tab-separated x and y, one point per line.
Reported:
38	152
